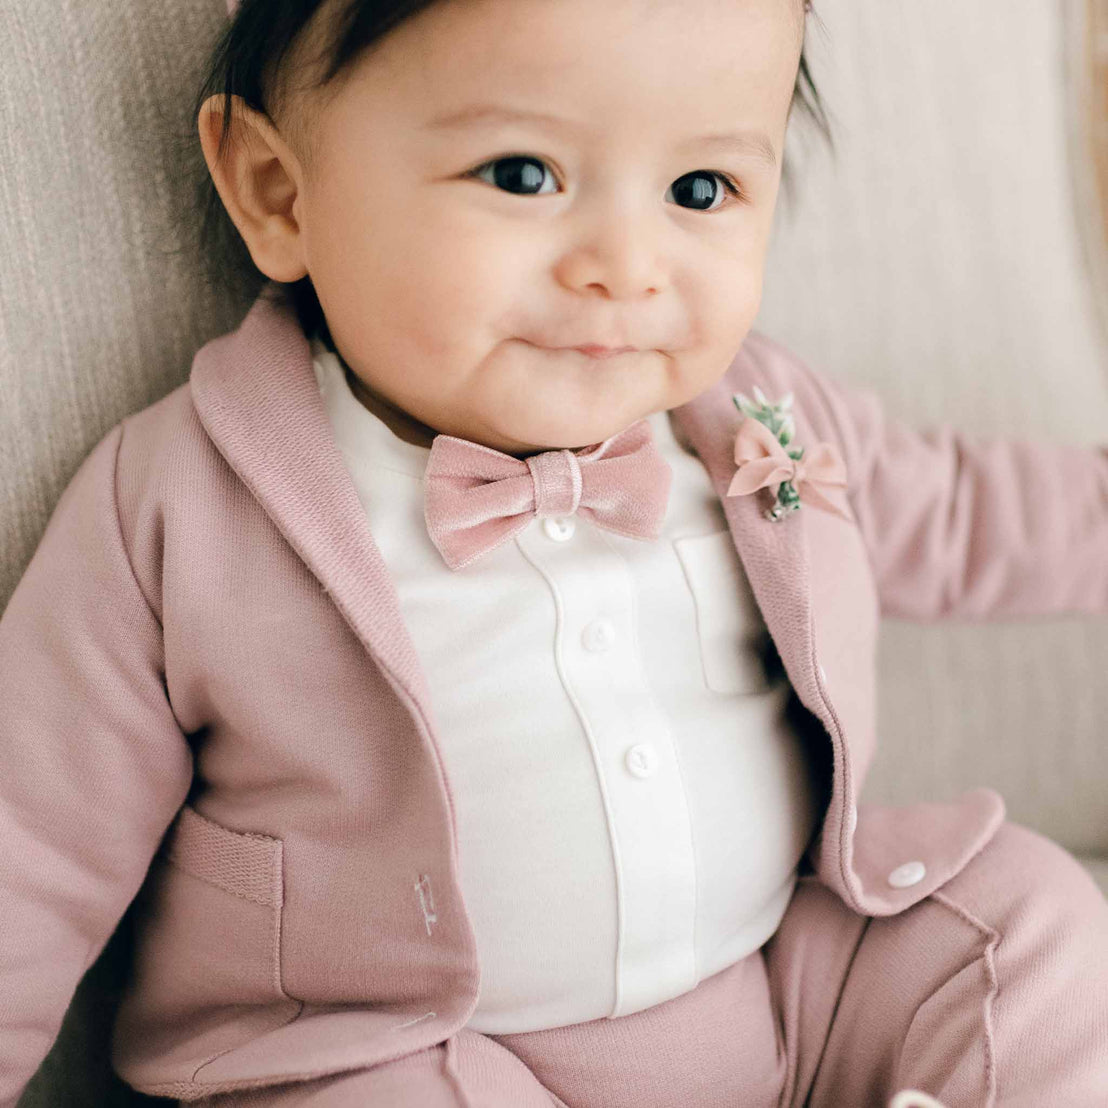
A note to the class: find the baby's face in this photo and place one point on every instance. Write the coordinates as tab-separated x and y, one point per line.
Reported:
458	250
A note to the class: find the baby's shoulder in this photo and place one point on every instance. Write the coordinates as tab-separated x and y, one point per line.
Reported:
160	430
166	462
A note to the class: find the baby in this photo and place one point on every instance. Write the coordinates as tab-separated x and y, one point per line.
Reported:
469	672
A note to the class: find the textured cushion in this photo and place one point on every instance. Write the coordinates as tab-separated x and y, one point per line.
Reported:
101	310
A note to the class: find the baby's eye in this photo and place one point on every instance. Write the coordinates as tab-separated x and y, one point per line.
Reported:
518	171
526	174
692	187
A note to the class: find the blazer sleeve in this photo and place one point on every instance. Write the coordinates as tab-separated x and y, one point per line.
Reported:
970	527
94	764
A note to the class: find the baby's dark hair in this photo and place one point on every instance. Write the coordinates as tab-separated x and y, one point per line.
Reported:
250	59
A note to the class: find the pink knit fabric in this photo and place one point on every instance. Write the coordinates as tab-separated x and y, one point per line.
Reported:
476	498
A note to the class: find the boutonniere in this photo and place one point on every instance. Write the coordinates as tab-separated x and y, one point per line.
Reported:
763	460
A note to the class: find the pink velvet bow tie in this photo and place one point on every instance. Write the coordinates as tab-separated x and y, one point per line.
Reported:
476	498
763	461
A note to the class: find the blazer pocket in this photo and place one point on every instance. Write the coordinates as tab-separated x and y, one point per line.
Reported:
207	939
243	863
729	624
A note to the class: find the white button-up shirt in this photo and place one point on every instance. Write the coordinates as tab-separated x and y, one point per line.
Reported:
630	800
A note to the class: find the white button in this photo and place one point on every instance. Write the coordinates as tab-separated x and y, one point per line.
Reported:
559	528
913	1098
598	635
908	874
642	759
851	819
822	674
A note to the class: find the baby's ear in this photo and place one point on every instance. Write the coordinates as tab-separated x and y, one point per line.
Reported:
256	176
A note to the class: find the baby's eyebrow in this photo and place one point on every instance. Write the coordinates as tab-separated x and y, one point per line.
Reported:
747	144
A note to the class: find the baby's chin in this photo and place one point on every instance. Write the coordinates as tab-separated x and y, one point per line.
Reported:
572	426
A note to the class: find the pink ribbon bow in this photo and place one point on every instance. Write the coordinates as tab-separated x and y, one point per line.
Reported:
763	461
476	498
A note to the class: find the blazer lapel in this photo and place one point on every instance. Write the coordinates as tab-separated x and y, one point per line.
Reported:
774	554
255	391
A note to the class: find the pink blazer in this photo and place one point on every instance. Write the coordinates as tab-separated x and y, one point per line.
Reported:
209	700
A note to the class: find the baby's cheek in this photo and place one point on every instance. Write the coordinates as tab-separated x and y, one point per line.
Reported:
689	373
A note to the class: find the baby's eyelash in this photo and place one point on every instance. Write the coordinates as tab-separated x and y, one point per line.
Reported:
729	182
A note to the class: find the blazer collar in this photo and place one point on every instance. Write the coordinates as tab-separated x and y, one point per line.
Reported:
256	394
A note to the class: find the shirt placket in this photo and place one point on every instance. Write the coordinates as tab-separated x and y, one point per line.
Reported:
634	754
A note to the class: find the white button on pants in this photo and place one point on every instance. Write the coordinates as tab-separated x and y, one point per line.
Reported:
908	874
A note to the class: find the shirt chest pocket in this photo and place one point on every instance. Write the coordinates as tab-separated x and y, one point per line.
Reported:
730	630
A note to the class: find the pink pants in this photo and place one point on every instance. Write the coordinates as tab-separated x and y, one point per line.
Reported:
992	992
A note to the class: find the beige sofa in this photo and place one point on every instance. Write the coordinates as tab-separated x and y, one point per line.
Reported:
952	256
